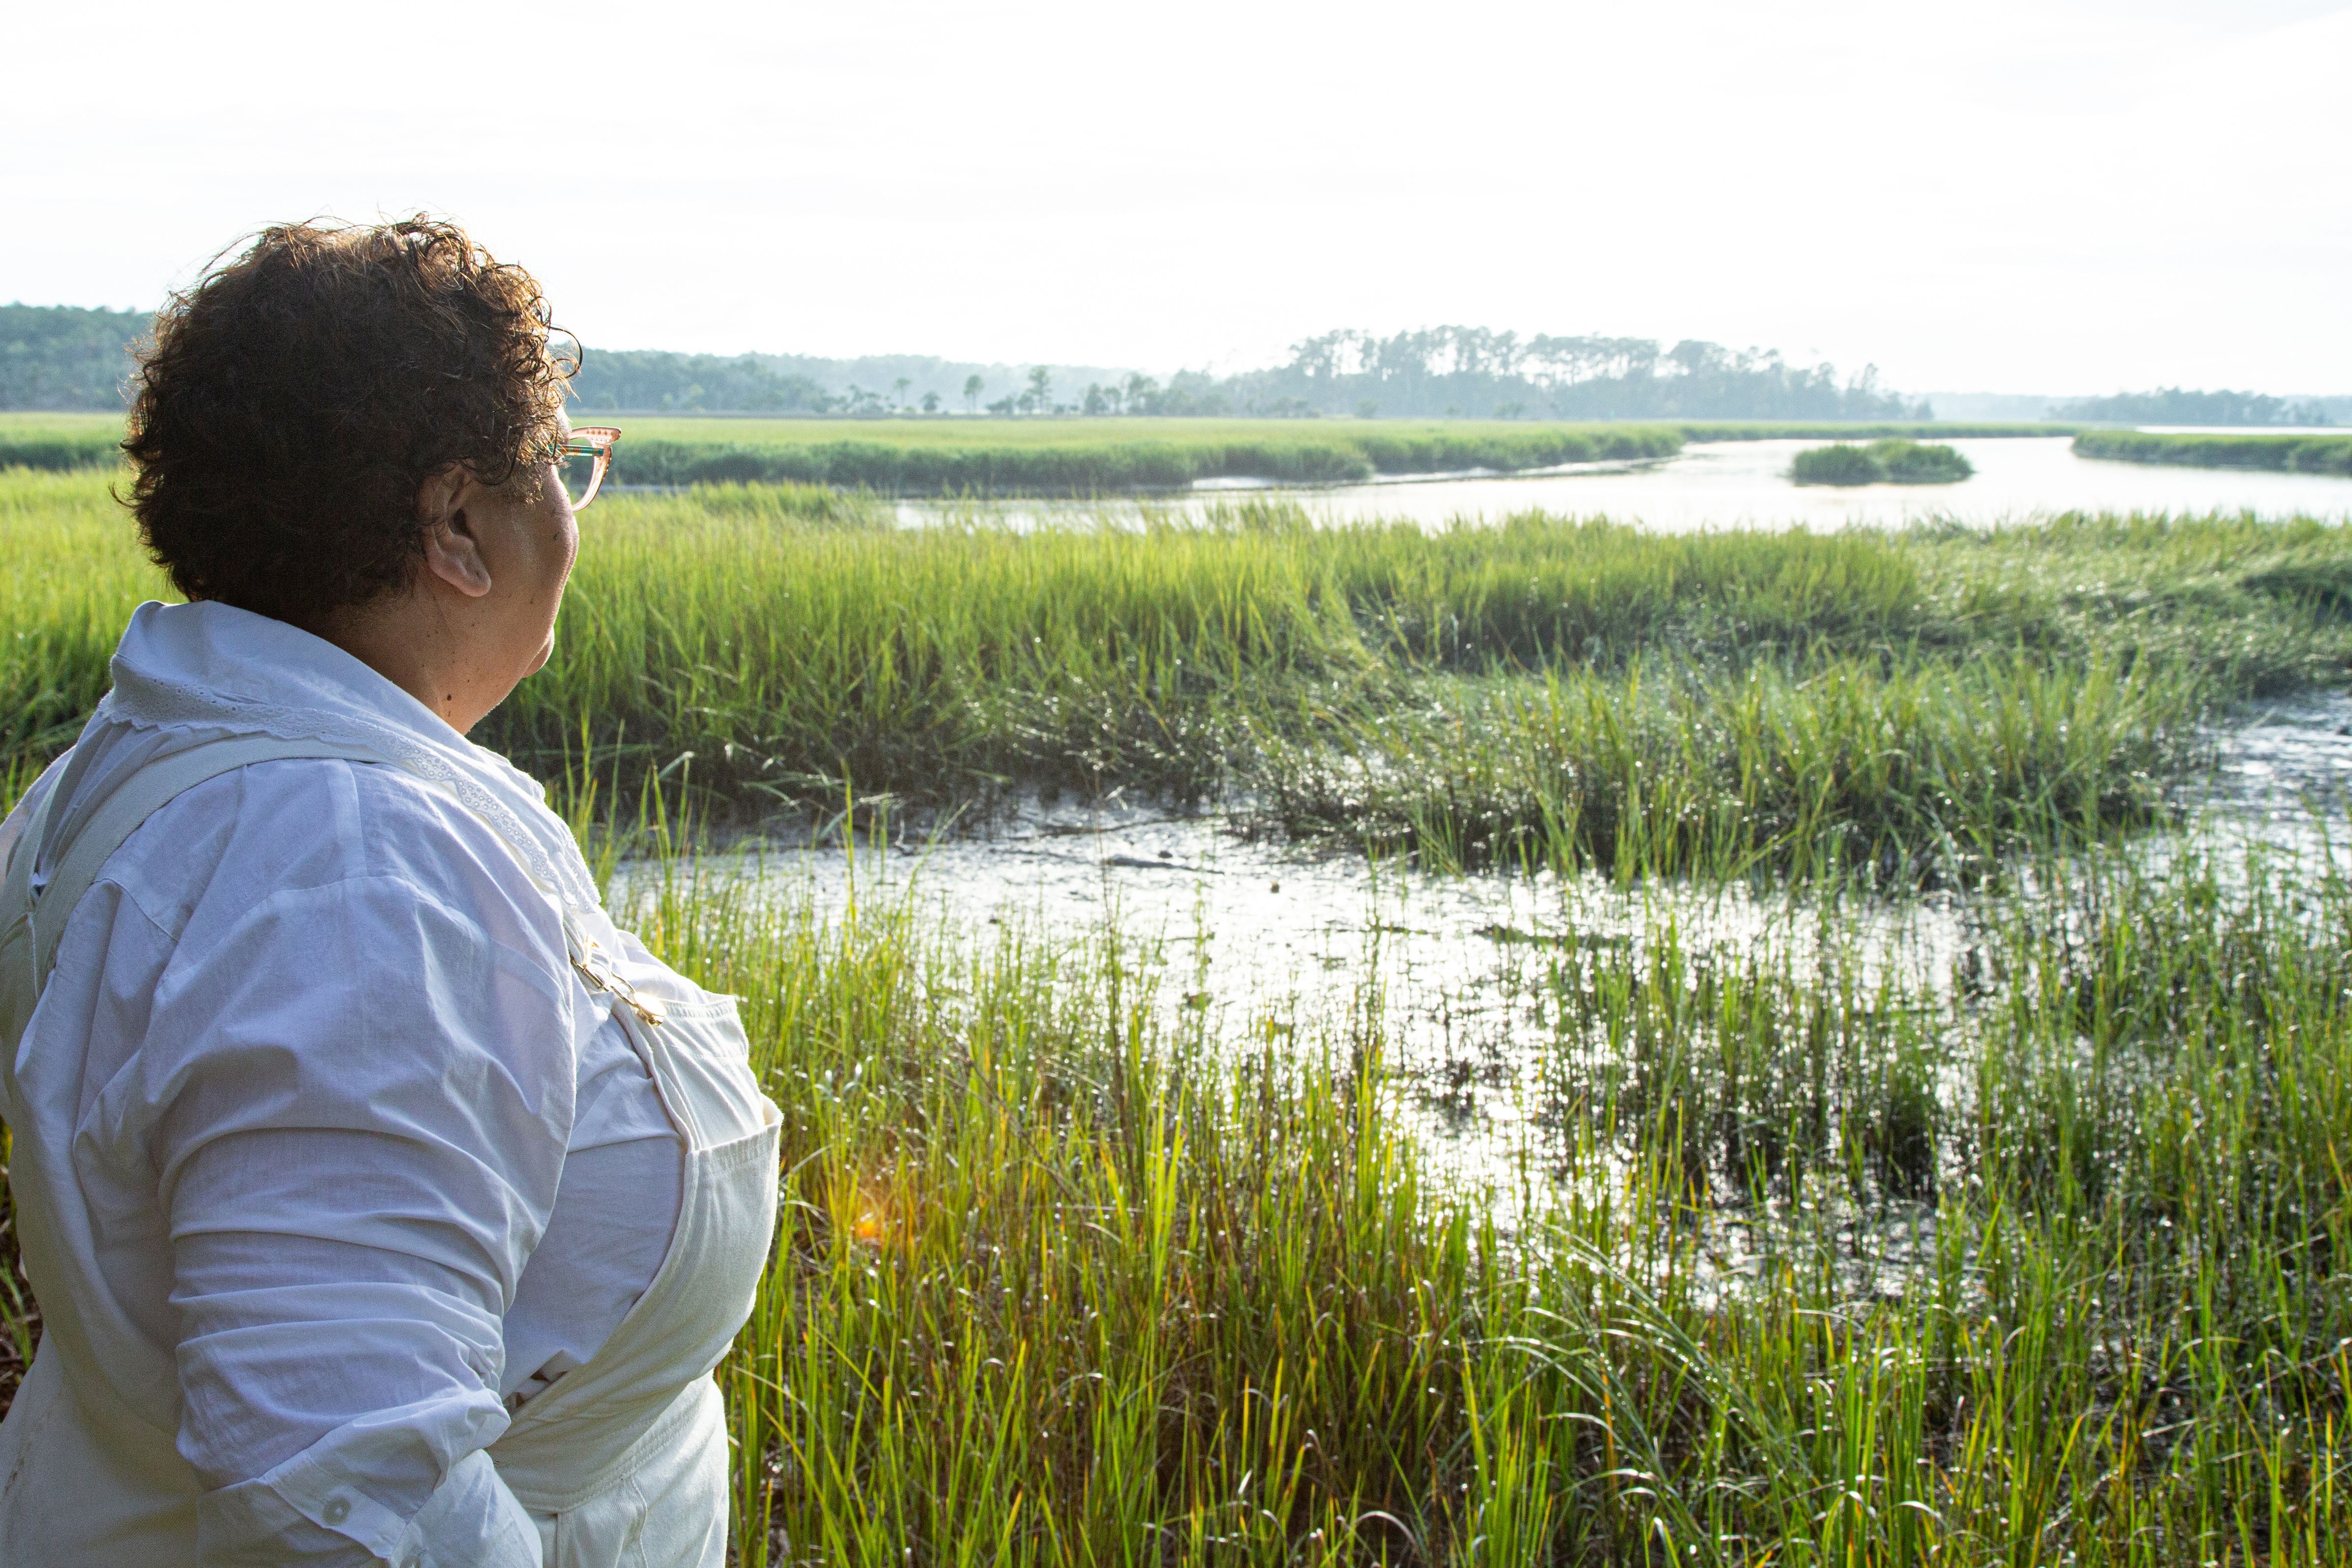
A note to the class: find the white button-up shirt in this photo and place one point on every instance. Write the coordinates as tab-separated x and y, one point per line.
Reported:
367	1163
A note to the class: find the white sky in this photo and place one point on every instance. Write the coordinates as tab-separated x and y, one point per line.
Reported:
2059	195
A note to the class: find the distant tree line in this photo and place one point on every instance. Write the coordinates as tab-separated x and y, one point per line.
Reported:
1472	372
647	381
2171	405
1193	393
63	357
644	380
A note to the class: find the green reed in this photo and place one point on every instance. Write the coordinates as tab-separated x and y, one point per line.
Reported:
938	663
1536	689
73	574
2038	1255
1842	765
2023	1250
1539	689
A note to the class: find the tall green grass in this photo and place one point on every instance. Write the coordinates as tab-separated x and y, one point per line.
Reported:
72	575
2032	1257
1920	774
1862	698
1896	698
943	666
2020	1250
2031	1262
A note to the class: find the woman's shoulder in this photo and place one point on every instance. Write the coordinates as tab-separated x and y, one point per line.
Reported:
328	929
364	831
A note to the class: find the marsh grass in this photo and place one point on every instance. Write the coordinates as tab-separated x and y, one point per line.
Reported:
2026	1252
1916	775
60	442
1100	457
2313	453
1889	462
1537	690
947	663
2035	1261
73	574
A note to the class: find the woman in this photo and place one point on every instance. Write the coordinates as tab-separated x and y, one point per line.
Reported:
384	1202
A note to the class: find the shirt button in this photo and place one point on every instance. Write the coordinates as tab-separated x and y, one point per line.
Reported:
338	1510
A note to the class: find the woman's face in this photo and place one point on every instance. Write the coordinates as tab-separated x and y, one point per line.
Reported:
479	614
529	538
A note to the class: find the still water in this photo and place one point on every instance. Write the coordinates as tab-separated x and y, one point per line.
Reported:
1257	942
1745	484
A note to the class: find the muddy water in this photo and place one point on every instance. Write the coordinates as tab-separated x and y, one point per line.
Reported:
2285	771
1720	484
1257	942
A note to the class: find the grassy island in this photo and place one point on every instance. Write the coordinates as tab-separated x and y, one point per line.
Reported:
1888	462
2282	453
1102	456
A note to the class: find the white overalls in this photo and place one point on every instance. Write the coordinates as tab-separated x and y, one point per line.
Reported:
621	1460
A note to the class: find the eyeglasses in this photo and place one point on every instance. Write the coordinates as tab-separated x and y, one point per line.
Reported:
582	460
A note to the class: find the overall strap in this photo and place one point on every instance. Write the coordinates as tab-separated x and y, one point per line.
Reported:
16	901
20	980
42	917
139	797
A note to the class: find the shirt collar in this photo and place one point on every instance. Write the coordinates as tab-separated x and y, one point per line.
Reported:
208	670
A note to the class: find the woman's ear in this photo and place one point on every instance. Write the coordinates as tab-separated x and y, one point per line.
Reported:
452	553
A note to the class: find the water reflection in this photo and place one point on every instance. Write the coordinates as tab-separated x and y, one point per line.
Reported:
1251	941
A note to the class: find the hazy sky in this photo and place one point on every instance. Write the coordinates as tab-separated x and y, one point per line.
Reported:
2061	195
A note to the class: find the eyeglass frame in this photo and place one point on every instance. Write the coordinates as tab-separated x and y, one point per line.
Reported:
587	441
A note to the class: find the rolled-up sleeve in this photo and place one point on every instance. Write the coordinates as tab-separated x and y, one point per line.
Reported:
359	1097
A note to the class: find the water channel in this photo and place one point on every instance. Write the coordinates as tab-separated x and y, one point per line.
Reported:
1745	484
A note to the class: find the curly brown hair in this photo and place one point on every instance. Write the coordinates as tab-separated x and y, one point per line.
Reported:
296	398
